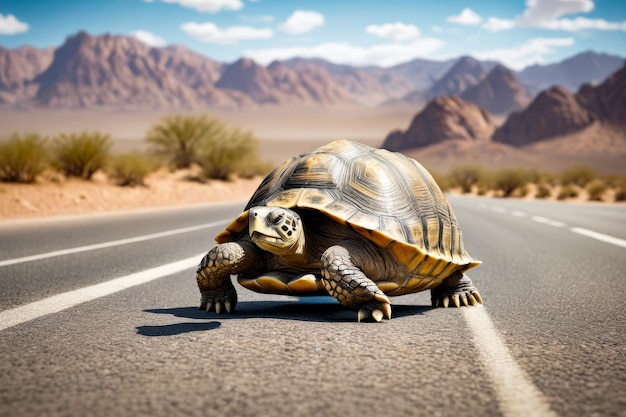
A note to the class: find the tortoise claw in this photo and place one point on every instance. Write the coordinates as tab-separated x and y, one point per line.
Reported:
377	313
477	297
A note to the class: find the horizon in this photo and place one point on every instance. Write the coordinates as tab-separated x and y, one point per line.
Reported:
517	34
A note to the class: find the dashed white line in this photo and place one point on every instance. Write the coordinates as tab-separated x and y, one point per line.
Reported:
60	302
516	394
109	244
549	222
555	223
599	236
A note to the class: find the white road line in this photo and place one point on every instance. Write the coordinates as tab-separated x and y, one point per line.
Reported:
110	244
599	236
498	209
516	394
518	213
549	222
60	302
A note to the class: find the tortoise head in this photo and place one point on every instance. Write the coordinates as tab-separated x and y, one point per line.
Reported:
276	229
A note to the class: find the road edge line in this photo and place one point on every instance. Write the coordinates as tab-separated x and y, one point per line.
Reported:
517	395
63	301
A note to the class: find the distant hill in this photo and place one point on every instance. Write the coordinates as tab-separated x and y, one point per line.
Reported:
499	92
592	121
557	112
443	119
120	72
571	73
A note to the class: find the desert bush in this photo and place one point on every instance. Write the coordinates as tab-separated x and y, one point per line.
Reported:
179	138
131	168
620	192
543	190
567	191
507	180
466	177
23	158
80	154
227	152
579	175
596	190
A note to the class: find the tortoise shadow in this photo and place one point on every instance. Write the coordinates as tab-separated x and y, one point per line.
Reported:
314	309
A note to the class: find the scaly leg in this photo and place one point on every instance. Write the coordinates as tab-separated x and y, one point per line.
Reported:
213	274
348	284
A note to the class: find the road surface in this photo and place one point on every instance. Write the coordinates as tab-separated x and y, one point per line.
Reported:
98	318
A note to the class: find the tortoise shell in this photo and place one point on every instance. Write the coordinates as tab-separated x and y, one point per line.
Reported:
384	196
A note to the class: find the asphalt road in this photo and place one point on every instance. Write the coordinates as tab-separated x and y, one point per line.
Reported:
98	318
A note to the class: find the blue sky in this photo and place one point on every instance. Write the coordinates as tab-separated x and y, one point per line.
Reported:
370	32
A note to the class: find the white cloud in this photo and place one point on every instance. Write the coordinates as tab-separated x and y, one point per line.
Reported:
209	32
530	52
9	25
467	17
495	24
581	23
149	38
397	31
548	14
549	10
384	55
211	6
255	19
302	21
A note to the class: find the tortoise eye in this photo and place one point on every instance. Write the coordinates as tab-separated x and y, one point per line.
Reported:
277	219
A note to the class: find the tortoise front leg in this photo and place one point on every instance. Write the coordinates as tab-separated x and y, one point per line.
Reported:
213	274
351	287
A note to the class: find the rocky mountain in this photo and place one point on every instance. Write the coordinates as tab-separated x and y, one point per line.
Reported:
592	120
122	73
554	112
443	119
571	73
557	112
465	73
499	92
608	100
18	67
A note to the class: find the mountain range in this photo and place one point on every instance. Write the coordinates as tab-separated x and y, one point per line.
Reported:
120	72
595	116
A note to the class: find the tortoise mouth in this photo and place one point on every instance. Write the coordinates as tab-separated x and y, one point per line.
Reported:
262	238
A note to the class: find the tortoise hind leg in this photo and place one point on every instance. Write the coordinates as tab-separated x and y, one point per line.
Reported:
457	288
351	287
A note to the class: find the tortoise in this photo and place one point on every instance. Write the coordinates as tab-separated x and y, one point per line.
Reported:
349	220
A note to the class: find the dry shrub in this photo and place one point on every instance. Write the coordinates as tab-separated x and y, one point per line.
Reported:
508	180
23	158
543	190
226	153
579	175
567	191
466	177
81	154
179	138
596	190
131	168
